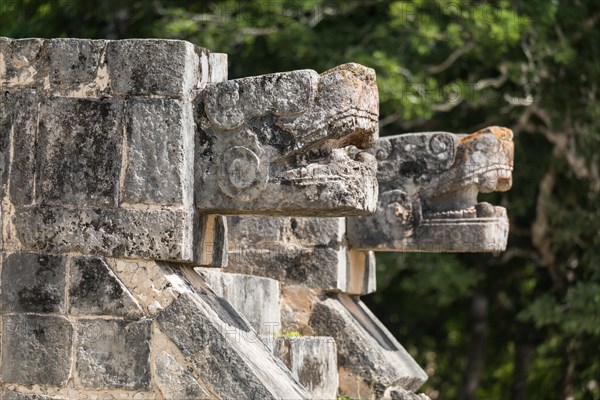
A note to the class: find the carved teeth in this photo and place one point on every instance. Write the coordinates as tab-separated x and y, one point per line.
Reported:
454	214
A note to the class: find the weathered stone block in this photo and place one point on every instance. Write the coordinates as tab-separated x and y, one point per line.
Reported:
369	357
152	67
22	63
296	308
80	143
218	67
175	381
113	354
74	63
7	394
361	273
19	122
257	299
313	361
306	251
95	290
150	234
36	350
33	282
222	346
299	251
160	138
5	128
317	268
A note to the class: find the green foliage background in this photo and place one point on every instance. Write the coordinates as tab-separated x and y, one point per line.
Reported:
521	324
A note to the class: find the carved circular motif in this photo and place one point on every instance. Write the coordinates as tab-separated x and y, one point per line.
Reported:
382	149
242	175
396	213
440	144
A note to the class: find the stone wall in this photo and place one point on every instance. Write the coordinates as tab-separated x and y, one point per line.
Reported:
120	274
97	159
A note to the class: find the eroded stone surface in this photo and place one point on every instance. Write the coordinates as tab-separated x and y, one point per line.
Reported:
23	64
147	283
106	136
307	251
111	135
95	290
14	395
36	350
113	354
223	347
428	193
313	361
74	63
311	252
80	151
151	234
159	152
175	381
296	309
152	67
398	393
33	282
256	298
369	357
20	113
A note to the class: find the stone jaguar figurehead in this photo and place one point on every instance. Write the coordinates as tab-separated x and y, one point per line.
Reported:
273	143
428	184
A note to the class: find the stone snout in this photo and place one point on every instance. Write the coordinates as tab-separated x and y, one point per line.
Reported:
428	184
273	144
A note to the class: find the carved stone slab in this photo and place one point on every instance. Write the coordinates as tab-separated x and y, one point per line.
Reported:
428	185
272	144
311	252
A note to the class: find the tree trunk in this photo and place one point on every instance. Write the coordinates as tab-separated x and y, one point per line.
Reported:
523	357
475	351
571	360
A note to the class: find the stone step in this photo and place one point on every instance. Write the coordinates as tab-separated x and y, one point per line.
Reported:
370	359
312	361
256	298
220	343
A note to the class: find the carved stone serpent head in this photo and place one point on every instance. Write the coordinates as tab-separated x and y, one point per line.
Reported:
428	185
273	143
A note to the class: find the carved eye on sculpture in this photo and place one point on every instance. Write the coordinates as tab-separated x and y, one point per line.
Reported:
440	145
242	174
221	105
